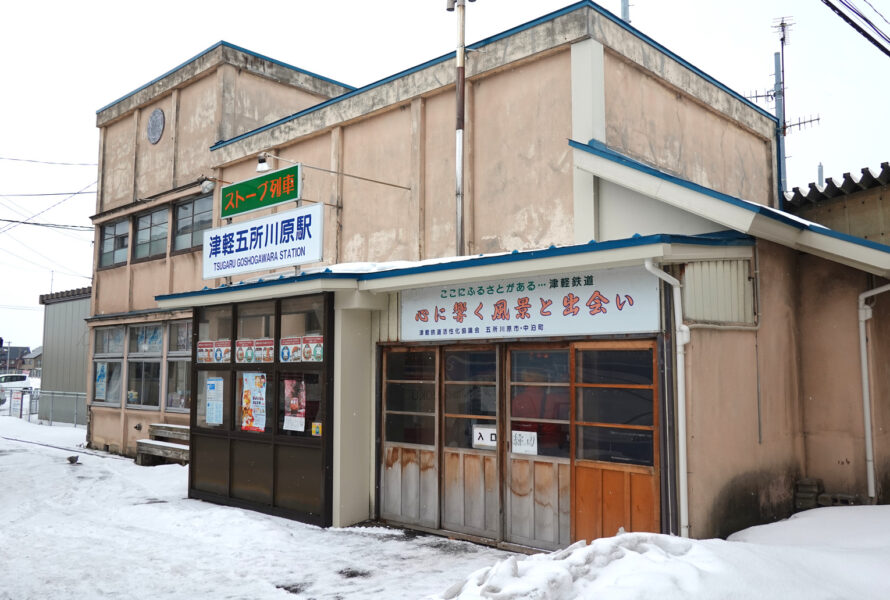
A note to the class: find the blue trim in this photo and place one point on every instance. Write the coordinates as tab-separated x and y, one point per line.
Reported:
720	238
211	49
599	149
489	40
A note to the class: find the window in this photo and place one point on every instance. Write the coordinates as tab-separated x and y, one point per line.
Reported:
108	364
192	218
151	234
144	365
179	354
115	241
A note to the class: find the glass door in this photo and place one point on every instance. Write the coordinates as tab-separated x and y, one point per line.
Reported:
470	483
538	450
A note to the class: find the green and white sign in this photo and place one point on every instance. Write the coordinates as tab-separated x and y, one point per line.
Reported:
261	192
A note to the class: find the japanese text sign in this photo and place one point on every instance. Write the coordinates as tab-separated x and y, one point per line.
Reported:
581	303
261	192
280	240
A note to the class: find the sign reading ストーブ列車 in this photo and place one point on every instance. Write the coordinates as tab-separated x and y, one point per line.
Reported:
261	192
280	240
581	303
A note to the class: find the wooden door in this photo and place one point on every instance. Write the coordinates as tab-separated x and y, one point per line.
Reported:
615	466
470	482
537	494
410	471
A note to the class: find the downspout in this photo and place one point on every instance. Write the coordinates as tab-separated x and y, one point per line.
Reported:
865	313
681	335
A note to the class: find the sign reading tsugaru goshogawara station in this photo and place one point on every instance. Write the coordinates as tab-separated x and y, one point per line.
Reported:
284	239
564	304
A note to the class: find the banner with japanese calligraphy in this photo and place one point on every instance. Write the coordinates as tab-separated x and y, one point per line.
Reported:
285	239
611	301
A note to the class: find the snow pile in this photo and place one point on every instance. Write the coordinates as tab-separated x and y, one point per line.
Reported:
828	553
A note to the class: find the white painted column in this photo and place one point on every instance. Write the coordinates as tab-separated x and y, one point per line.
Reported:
588	123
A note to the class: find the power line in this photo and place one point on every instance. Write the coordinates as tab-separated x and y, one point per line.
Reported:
44	267
11	307
13	226
47	162
49	194
849	20
51	225
877	11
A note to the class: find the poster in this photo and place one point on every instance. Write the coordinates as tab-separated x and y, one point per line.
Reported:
244	351
214	395
313	348
99	393
294	405
205	352
264	350
253	402
291	349
214	351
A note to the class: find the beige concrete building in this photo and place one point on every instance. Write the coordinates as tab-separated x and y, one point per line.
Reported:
634	335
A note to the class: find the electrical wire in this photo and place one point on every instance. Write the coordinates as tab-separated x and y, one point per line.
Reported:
14	225
42	266
50	225
878	12
49	194
47	162
855	10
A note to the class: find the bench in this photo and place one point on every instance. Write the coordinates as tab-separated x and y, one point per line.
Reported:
157	449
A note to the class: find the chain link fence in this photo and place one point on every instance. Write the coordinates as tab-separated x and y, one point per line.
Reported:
46	406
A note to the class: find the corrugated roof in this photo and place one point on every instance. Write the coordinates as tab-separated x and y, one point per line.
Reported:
75	294
848	184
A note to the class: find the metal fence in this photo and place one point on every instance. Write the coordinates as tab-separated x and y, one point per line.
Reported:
63	407
20	403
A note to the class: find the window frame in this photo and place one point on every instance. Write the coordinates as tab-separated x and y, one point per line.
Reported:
112	357
113	228
150	215
192	231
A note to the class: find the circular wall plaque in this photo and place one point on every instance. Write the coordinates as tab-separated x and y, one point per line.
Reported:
155	126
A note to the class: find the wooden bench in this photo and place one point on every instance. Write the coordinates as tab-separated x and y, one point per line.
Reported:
157	449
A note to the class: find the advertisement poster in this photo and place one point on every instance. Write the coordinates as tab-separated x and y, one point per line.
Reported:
291	349
264	350
244	351
313	348
99	393
294	405
205	352
219	351
214	412
253	402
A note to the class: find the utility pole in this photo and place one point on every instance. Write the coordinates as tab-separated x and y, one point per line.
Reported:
460	78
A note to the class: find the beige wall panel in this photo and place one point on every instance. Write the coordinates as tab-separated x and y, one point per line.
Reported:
260	101
117	174
879	360
105	428
149	280
523	171
112	290
650	121
830	376
439	151
196	130
186	272
154	162
379	222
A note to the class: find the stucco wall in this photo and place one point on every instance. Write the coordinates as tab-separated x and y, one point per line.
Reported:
111	290
522	164
879	361
745	444
439	188
656	123
196	129
117	164
830	382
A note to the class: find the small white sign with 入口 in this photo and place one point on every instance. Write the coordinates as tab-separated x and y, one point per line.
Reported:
485	437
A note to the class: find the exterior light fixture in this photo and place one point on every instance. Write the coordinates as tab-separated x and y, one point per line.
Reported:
261	165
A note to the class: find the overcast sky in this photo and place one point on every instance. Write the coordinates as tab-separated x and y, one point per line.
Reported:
64	60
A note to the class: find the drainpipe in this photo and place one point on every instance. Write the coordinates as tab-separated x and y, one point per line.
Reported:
865	313
681	335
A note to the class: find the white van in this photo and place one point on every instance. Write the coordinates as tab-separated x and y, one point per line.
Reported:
15	381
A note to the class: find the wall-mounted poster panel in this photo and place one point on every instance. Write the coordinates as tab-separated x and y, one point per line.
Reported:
580	303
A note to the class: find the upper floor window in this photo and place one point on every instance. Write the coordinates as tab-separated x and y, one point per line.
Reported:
151	234
192	218
115	241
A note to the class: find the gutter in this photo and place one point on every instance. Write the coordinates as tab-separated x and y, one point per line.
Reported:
681	335
866	313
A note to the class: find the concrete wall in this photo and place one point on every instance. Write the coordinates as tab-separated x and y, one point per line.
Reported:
830	380
744	432
864	214
656	122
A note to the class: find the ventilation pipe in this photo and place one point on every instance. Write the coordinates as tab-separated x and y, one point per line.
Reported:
681	336
865	313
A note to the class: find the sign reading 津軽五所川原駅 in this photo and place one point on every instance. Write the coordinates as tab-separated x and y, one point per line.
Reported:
261	192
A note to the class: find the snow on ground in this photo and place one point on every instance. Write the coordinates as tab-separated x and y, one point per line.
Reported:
105	528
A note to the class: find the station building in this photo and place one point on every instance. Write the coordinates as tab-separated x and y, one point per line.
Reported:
635	334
